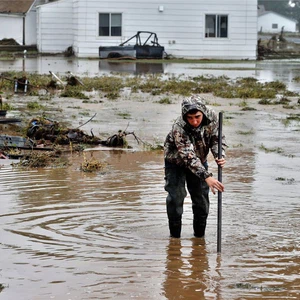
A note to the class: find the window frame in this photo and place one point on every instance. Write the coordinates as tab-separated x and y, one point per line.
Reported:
217	20
110	26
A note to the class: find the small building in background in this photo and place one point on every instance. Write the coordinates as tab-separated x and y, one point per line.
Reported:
18	21
272	22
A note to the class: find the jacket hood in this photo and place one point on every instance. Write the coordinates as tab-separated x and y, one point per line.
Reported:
192	103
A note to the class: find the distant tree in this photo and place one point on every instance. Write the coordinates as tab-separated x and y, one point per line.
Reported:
279	6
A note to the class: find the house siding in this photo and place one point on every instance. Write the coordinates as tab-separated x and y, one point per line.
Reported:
30	28
180	27
55	26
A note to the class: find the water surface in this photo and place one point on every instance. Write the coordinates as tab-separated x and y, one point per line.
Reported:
72	235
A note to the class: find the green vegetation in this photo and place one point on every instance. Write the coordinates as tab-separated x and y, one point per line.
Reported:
74	92
280	179
294	117
91	164
34	105
290	118
7	106
248	108
246	132
165	100
37	159
155	84
84	113
269	150
124	115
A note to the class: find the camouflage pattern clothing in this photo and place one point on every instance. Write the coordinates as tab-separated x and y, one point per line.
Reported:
186	149
189	147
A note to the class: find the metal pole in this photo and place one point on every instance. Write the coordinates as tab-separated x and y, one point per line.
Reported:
219	233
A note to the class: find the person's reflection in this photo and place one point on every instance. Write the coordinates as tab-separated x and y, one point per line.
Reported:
186	269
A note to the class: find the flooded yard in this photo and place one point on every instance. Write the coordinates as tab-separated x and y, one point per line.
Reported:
66	234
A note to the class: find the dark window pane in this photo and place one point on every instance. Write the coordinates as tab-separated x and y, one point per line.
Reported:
224	26
210	26
104	31
104	24
116	31
116	24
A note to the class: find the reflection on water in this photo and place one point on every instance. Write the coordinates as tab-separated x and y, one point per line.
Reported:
186	270
136	68
69	235
283	70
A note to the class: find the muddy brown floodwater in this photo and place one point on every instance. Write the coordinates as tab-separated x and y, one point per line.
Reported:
69	235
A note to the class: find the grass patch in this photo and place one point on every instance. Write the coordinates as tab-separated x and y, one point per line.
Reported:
265	102
290	119
124	115
237	145
112	95
165	100
269	150
156	84
7	106
294	117
248	108
280	179
91	165
34	105
84	113
246	132
41	160
73	92
288	107
283	100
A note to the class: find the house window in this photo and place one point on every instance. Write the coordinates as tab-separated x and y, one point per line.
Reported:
274	26
216	26
110	24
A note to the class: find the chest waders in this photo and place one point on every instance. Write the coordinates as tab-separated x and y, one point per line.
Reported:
177	178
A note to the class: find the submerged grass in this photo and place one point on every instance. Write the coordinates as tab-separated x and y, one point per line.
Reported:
246	132
34	105
91	164
165	100
270	150
156	84
37	159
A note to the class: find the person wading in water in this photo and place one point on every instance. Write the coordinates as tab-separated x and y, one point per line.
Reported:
186	148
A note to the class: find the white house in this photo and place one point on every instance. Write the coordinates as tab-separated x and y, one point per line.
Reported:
271	22
192	29
18	20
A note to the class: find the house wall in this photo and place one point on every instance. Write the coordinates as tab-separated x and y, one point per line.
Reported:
265	23
11	28
55	26
179	27
30	28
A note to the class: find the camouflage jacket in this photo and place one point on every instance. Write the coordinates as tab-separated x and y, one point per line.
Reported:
188	146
